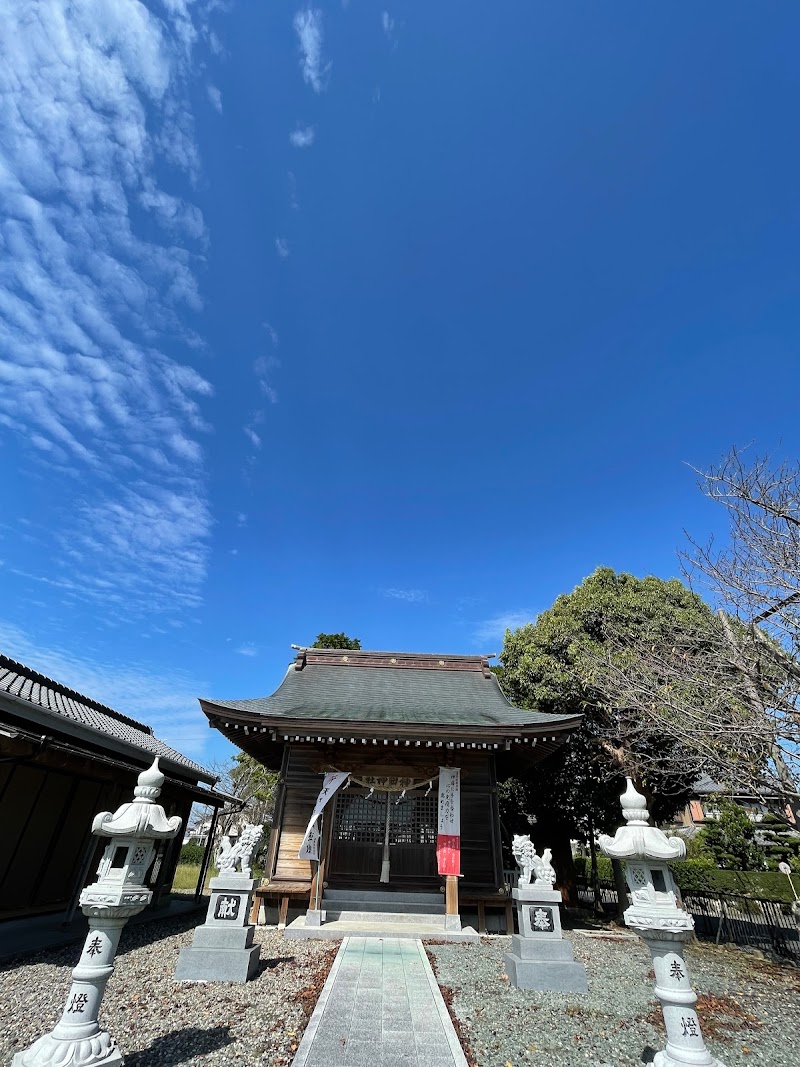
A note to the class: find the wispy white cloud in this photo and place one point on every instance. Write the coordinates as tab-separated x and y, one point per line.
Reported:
247	649
165	700
94	105
308	27
302	137
215	96
292	183
390	28
252	437
411	596
282	247
263	367
492	630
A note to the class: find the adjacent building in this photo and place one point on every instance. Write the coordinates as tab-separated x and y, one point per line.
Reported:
63	758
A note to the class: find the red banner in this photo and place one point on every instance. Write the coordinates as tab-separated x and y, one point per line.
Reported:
448	839
448	853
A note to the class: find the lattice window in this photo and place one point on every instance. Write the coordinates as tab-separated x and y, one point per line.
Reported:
413	821
360	818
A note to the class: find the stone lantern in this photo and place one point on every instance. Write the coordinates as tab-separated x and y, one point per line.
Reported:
119	892
655	915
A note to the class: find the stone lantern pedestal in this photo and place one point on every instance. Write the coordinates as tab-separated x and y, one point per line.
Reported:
119	892
655	915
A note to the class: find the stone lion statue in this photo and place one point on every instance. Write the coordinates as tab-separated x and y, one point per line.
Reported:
530	863
235	852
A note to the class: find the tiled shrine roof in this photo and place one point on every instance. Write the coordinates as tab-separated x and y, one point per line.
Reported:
38	691
397	688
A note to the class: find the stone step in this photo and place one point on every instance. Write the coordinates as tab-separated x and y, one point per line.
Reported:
385	905
383	896
335	931
392	917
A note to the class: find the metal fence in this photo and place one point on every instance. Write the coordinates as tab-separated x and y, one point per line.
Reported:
765	924
769	925
607	893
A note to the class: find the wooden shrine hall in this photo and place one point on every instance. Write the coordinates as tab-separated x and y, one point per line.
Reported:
366	743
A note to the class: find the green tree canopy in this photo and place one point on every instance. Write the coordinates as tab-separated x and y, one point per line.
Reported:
336	641
552	665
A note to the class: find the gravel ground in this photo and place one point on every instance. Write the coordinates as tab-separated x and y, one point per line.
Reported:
748	1008
158	1021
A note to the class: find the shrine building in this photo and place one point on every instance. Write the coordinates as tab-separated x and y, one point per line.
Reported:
384	732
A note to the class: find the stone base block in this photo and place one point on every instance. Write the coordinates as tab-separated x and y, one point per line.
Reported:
663	1059
45	1055
234	882
530	894
546	975
315	917
196	964
452	923
223	937
528	948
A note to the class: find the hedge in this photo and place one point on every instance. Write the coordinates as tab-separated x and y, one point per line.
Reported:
701	876
696	876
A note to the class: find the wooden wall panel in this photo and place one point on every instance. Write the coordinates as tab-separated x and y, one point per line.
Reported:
480	839
302	783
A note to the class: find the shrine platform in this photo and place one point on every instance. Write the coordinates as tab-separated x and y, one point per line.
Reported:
359	913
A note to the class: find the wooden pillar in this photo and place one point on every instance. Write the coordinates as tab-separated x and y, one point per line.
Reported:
277	819
318	878
316	886
452	920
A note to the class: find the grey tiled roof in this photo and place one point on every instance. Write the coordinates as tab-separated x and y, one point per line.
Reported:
391	688
20	681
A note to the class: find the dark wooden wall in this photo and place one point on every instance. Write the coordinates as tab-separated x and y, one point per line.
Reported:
303	766
48	804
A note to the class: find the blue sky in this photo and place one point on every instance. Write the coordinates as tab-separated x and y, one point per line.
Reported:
394	320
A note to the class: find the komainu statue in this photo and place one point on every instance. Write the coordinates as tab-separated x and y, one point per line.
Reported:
530	864
238	853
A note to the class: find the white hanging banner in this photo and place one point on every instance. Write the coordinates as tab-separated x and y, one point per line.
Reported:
448	840
309	850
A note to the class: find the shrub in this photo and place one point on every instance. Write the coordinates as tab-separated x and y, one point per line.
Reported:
191	855
695	875
583	868
730	839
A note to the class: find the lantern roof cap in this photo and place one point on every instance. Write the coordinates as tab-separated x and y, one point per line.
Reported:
141	817
638	839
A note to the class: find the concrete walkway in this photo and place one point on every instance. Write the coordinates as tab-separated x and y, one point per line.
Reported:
380	1007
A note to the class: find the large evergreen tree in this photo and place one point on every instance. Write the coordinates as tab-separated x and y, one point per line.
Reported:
551	665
